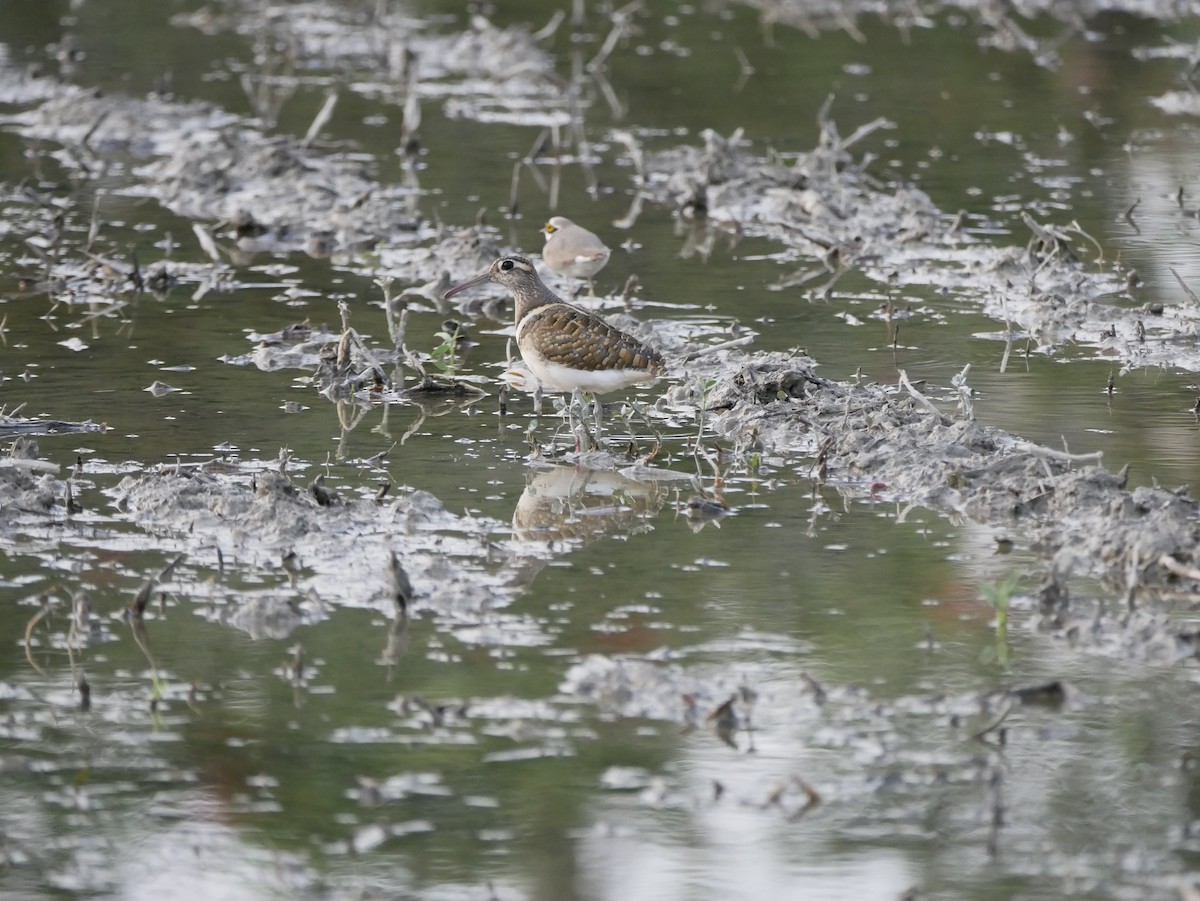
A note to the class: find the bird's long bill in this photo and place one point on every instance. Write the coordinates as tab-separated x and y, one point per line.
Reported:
470	283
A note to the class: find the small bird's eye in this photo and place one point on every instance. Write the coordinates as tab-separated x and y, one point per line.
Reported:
507	264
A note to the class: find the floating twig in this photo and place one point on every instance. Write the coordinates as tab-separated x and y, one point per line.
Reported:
324	114
1128	217
1169	563
1062	456
995	723
1186	290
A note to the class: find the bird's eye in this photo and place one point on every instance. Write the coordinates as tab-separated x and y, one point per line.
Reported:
507	264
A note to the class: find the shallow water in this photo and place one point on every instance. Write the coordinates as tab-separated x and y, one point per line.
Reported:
461	755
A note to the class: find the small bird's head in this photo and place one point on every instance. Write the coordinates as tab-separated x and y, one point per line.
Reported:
556	224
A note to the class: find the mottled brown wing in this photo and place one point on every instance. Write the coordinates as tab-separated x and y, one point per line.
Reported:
573	337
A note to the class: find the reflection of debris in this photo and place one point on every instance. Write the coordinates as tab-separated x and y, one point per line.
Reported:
402	590
268	616
293	668
818	691
784	797
725	721
435	716
1050	694
13	426
703	511
137	608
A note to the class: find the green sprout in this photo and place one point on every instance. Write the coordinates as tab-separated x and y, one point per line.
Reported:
445	355
999	595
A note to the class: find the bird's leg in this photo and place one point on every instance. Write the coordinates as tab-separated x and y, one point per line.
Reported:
561	422
599	414
643	411
627	411
592	442
578	412
537	400
574	419
584	440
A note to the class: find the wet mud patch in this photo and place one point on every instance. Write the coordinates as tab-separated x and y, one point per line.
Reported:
833	216
480	71
24	490
71	259
30	487
270	192
1037	28
895	443
437	556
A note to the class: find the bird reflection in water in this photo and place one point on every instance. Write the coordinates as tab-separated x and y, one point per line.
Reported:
570	503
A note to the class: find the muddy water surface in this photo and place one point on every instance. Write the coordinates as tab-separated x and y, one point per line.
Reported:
601	684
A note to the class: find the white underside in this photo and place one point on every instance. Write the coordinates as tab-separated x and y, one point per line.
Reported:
556	377
583	267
